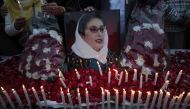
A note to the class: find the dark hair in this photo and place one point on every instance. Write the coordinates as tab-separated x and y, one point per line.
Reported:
85	19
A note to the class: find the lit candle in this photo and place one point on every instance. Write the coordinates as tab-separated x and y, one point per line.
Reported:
116	98
99	68
63	98
17	97
167	75
8	98
3	104
124	99
27	96
132	98
141	81
120	78
77	73
44	96
108	98
159	99
155	78
179	100
37	97
63	83
139	99
87	98
126	76
20	6
186	101
90	80
116	74
166	100
147	100
172	102
61	74
178	76
103	97
69	97
165	85
109	76
135	75
154	100
79	98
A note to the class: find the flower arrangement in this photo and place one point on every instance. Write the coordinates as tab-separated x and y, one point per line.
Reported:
87	86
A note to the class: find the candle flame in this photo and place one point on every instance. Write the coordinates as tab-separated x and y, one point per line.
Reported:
2	88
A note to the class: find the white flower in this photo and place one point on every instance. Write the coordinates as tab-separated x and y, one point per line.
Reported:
128	65
52	74
27	67
139	61
29	58
147	26
123	62
38	62
156	63
164	62
35	47
48	64
46	50
35	75
157	28
55	35
136	28
146	71
148	44
44	77
127	49
44	41
29	75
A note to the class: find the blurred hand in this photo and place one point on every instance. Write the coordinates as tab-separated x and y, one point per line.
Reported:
3	11
53	9
20	23
89	8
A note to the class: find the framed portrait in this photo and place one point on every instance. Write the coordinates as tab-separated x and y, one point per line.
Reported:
92	34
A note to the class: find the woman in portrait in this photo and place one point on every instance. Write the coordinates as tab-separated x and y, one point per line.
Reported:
91	43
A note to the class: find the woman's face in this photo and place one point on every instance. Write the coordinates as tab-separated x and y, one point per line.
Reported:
94	34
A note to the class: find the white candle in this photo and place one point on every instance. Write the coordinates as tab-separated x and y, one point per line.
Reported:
165	85
155	78
79	98
17	97
172	102
77	73
90	80
124	99
108	98
70	99
178	76
132	98
109	76
159	99
166	100
20	6
135	75
116	98
103	97
63	98
8	98
61	74
100	69
27	96
179	100
44	96
116	74
63	83
37	97
167	75
3	104
126	76
139	100
141	81
154	100
87	99
186	100
120	78
147	100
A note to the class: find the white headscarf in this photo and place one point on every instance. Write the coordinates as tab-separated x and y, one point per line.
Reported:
84	50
